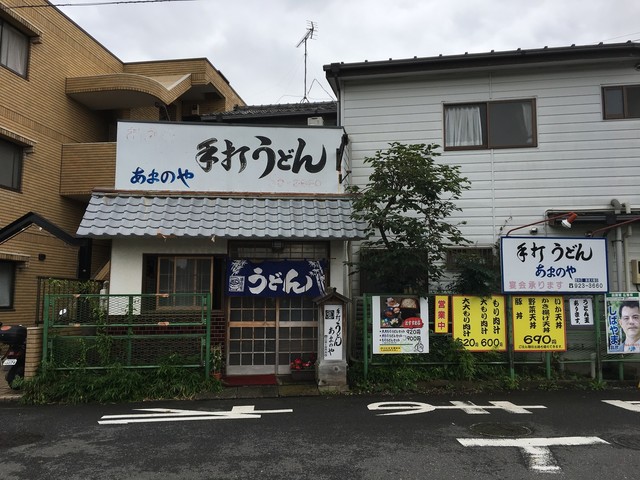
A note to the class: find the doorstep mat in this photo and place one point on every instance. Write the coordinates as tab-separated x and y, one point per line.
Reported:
242	380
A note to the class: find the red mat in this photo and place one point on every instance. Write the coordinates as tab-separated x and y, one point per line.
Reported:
243	380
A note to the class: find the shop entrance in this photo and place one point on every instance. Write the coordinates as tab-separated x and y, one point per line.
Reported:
265	334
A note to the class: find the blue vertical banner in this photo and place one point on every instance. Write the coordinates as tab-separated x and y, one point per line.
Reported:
283	278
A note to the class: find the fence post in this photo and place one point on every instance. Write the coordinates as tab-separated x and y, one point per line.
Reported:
45	332
207	362
598	319
510	348
365	334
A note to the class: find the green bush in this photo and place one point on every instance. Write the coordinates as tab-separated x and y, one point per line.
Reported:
115	384
448	361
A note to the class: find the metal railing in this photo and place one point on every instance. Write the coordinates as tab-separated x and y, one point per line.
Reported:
586	348
89	331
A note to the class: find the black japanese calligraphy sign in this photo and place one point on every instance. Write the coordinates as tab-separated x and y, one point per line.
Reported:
227	158
554	265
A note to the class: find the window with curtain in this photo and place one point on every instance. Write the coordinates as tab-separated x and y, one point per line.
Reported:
7	279
182	276
621	102
14	48
10	164
502	124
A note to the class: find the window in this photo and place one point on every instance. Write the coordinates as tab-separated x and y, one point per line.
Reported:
10	165
484	256
7	280
14	48
183	275
504	124
621	102
180	276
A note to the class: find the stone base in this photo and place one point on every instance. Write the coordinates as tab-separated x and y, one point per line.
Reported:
333	373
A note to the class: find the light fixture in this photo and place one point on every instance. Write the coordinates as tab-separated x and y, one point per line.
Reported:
609	227
566	223
568	219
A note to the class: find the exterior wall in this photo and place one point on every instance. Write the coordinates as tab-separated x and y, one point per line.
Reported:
126	257
581	162
37	111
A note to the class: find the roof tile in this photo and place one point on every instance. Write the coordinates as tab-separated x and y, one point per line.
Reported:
121	215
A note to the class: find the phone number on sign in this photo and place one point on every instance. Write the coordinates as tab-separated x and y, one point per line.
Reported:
581	285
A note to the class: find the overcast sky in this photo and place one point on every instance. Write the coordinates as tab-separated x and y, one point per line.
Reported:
253	42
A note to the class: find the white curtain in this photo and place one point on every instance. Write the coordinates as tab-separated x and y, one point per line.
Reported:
463	126
14	49
527	117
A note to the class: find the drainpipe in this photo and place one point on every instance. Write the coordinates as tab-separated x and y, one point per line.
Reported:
625	244
619	249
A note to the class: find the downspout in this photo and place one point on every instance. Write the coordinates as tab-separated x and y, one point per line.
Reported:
625	246
620	250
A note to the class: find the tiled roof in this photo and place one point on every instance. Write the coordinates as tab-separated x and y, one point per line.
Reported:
303	108
117	215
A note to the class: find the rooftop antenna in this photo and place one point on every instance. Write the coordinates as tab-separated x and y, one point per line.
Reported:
311	29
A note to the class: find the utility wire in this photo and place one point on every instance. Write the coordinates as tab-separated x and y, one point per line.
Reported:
99	3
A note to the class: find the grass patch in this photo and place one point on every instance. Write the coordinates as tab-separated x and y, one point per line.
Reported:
114	385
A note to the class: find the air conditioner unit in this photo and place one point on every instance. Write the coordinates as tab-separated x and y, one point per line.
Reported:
195	109
315	121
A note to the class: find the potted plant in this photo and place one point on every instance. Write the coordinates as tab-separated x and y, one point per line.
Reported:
217	360
303	370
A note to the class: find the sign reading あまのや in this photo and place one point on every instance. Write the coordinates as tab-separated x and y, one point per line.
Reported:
559	265
225	158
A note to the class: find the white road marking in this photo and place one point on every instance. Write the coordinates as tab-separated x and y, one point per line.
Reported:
413	408
632	405
174	415
535	450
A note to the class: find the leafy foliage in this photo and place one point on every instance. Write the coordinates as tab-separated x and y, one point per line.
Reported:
404	206
476	275
115	384
448	361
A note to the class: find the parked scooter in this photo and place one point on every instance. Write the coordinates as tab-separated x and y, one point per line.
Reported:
13	360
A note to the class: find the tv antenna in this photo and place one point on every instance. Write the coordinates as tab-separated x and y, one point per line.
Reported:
312	27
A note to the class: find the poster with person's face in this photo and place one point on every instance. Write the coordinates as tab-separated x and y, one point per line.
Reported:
400	324
622	321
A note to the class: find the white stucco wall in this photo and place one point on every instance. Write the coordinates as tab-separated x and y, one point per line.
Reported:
126	259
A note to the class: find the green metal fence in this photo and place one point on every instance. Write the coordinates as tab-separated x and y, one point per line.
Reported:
133	331
586	348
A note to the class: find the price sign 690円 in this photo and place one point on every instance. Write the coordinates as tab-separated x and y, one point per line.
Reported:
539	324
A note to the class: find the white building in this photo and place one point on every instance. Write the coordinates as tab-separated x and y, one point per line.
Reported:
537	132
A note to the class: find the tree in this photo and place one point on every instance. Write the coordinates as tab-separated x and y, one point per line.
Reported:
404	206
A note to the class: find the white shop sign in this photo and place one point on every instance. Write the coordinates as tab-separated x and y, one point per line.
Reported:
225	158
558	265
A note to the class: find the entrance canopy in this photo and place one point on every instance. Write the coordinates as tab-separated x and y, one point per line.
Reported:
256	217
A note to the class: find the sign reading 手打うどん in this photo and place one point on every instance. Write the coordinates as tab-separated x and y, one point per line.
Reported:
562	265
225	158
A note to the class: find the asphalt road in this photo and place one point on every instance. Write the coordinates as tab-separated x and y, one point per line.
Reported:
512	435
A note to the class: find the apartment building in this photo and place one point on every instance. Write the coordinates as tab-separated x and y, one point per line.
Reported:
61	96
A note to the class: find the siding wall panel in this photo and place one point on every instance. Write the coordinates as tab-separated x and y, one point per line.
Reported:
581	161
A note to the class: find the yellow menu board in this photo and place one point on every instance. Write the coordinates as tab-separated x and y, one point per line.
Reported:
538	324
480	322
